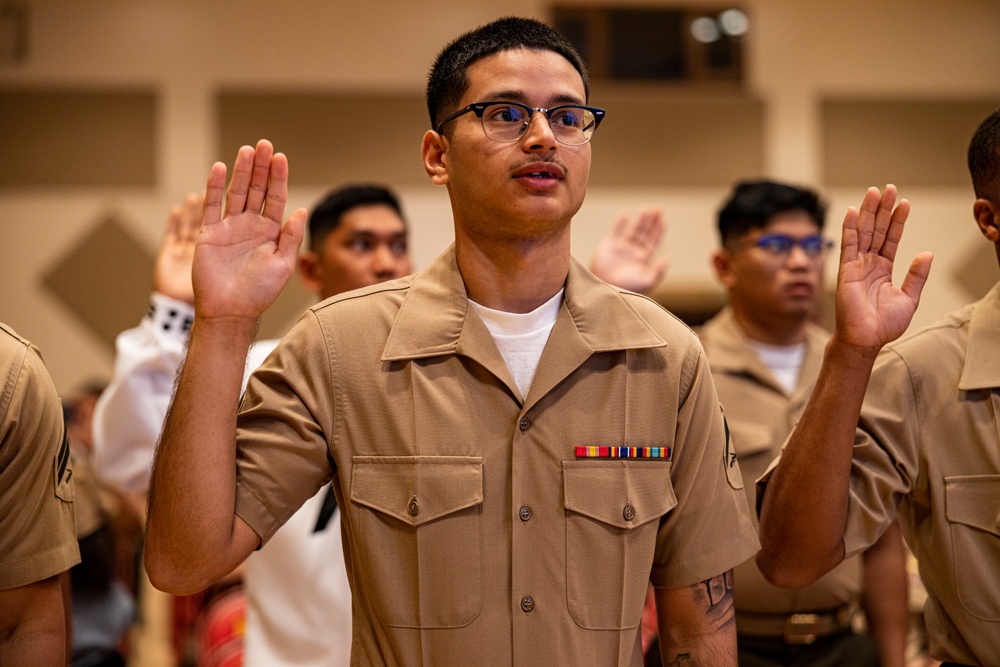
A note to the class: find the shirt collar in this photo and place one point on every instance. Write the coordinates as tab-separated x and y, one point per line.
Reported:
436	309
730	352
982	363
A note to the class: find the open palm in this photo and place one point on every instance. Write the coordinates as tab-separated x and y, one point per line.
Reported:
871	311
244	255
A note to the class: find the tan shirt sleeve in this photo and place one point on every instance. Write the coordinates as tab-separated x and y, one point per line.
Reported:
710	530
283	455
37	525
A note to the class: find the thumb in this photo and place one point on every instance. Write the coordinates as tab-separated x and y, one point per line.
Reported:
916	276
291	234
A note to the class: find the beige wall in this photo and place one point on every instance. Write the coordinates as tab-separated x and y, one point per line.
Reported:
801	55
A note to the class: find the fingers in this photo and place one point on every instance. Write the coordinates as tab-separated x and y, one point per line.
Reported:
895	230
277	189
172	230
189	219
214	194
883	217
260	180
650	226
849	235
866	219
260	176
876	227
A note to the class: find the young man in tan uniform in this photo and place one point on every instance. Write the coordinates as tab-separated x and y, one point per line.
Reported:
922	445
765	352
487	519
37	526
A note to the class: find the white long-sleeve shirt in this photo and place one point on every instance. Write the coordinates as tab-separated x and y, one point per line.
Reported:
298	598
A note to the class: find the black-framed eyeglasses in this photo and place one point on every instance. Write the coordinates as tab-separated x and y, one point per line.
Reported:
780	245
572	124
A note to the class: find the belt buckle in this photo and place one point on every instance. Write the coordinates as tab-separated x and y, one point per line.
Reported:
801	629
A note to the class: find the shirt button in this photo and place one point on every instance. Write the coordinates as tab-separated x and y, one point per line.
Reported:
523	424
524	513
527	604
414	507
628	513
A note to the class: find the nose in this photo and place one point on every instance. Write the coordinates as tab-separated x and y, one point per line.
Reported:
797	256
383	260
539	135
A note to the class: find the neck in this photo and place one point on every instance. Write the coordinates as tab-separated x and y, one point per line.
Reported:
515	277
787	330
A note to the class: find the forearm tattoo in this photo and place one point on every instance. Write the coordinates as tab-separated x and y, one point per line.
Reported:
719	610
701	637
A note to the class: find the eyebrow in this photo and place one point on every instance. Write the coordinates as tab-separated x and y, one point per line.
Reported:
519	96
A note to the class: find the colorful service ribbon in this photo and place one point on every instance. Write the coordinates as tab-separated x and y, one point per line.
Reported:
583	452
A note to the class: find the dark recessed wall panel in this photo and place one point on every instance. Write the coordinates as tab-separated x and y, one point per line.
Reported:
908	142
77	137
656	137
330	138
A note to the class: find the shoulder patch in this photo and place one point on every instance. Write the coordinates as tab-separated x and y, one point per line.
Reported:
62	470
729	462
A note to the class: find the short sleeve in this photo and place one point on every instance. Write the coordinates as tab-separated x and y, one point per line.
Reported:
37	524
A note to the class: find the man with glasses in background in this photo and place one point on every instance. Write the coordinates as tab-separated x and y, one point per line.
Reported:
765	351
517	448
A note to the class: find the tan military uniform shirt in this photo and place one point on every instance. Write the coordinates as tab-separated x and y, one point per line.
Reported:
761	414
927	452
930	443
37	528
473	534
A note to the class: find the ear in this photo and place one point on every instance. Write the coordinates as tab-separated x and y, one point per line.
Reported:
722	263
434	151
311	271
988	218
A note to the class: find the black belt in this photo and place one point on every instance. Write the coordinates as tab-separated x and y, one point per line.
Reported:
800	628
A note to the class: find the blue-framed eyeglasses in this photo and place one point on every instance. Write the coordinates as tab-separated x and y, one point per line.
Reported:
780	245
572	124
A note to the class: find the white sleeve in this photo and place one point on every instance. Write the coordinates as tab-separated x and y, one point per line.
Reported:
129	414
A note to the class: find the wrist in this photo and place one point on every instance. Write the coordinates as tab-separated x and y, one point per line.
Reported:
848	355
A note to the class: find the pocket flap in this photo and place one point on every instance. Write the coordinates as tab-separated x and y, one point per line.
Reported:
624	494
972	500
417	489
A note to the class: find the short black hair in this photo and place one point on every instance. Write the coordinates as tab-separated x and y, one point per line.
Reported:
447	81
984	158
752	204
327	214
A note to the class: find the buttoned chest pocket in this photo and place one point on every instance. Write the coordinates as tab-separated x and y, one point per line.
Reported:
612	516
420	534
973	512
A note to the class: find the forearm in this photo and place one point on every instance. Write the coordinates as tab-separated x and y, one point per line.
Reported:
886	595
804	509
191	522
33	628
698	624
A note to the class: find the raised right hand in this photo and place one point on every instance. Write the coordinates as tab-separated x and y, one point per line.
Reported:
624	257
172	273
871	311
244	256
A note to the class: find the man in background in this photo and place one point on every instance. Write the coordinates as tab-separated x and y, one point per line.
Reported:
765	351
298	598
905	430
